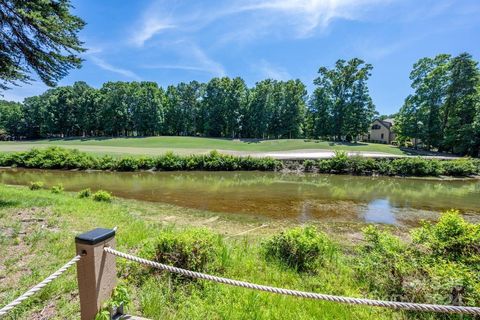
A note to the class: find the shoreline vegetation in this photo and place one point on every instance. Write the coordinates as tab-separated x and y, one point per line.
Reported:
434	263
341	163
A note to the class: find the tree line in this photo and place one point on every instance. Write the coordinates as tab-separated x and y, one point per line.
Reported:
443	113
340	107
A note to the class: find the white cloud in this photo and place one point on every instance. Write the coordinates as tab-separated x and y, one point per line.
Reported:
205	62
300	18
107	66
150	28
308	15
190	57
152	22
269	71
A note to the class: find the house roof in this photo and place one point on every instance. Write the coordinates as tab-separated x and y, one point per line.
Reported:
387	123
391	120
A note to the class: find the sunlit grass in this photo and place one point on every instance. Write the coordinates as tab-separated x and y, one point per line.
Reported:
31	251
197	144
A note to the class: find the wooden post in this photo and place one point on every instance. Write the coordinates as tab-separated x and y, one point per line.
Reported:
96	272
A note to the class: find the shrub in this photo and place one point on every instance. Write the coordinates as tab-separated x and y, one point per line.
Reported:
339	162
85	193
361	165
382	264
57	189
36	185
58	158
309	165
102	195
416	167
439	266
105	163
459	167
303	249
452	238
127	164
193	249
169	162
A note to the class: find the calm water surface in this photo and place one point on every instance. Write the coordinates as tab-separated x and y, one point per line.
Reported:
284	196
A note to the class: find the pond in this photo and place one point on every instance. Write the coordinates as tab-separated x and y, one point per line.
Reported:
335	198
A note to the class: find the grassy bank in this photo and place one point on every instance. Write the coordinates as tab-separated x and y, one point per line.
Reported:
60	158
38	226
187	145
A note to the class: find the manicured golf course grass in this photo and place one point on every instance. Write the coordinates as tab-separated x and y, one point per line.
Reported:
197	144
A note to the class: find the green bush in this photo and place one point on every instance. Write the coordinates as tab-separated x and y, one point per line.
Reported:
85	193
36	185
57	189
309	165
382	264
440	265
126	164
361	165
193	249
459	167
58	158
170	162
452	238
416	167
105	163
303	249
103	196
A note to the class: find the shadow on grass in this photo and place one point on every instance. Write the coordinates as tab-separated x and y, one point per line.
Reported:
8	203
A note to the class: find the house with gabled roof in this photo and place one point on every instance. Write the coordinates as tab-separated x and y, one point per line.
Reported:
381	131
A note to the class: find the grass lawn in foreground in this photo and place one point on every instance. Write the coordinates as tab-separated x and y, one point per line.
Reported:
37	230
197	144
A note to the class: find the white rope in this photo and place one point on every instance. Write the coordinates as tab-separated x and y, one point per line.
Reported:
38	287
310	295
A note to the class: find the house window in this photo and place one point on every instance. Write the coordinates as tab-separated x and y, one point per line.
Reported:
375	127
381	136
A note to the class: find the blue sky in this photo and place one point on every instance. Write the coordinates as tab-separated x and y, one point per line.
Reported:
173	41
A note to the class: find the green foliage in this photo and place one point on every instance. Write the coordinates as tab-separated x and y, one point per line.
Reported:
303	249
452	238
460	167
341	105
439	266
309	165
416	167
41	36
60	158
57	189
102	196
36	185
193	249
127	164
120	296
443	111
85	193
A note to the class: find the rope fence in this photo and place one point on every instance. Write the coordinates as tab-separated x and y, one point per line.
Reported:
96	275
310	295
38	287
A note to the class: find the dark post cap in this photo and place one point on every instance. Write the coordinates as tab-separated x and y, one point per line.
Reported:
95	236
